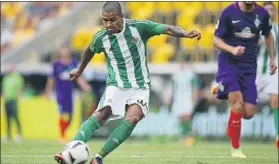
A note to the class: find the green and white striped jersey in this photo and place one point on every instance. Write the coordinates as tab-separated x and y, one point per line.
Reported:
263	57
126	52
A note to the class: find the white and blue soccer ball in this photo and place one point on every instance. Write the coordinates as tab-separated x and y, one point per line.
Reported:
76	152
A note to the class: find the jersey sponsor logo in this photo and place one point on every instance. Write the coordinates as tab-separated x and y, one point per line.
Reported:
235	21
64	75
245	33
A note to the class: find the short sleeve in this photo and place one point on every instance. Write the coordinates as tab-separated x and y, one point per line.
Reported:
222	25
267	24
93	46
153	28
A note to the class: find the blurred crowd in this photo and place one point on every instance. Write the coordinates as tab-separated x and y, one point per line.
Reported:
21	21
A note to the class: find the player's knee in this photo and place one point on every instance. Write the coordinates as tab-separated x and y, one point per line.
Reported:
249	113
103	114
134	119
238	106
248	116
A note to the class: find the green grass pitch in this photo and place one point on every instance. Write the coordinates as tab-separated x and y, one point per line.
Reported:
140	152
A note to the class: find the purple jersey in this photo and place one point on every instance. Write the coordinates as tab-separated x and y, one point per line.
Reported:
238	28
63	84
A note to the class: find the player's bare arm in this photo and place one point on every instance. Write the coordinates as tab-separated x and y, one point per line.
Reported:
86	57
270	45
49	86
83	84
179	32
220	44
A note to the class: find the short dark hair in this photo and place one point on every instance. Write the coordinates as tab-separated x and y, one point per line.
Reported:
268	3
112	6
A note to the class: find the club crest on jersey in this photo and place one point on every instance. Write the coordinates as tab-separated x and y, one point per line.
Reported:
134	40
257	21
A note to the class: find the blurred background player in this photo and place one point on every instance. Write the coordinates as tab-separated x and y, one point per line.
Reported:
128	83
237	65
184	101
12	87
267	85
64	88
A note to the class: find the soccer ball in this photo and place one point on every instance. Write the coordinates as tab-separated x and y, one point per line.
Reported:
76	152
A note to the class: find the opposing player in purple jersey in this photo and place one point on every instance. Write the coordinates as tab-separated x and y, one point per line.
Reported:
237	34
64	88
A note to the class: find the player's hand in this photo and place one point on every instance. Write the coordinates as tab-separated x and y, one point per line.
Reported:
237	51
193	34
74	74
272	67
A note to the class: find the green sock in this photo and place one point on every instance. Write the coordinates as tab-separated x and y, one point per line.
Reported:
275	114
118	136
185	127
87	129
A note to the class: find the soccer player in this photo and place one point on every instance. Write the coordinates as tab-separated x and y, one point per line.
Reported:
64	88
237	34
184	100
12	86
268	85
128	83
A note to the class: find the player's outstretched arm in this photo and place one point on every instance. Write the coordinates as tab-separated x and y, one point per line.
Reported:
49	86
84	84
270	45
220	44
86	57
179	32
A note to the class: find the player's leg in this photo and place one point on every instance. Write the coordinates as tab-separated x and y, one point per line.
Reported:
229	89
250	96
234	123
8	119
186	126
124	130
93	123
274	106
137	108
18	124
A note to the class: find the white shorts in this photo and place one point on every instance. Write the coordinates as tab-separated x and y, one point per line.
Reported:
272	87
118	98
182	107
266	85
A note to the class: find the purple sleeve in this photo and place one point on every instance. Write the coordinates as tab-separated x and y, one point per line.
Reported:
222	25
267	24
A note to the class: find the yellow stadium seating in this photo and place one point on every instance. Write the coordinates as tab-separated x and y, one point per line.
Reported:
81	38
164	7
163	54
157	41
180	6
142	13
98	58
212	6
11	9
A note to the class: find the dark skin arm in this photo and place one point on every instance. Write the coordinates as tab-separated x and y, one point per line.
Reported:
181	33
86	57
